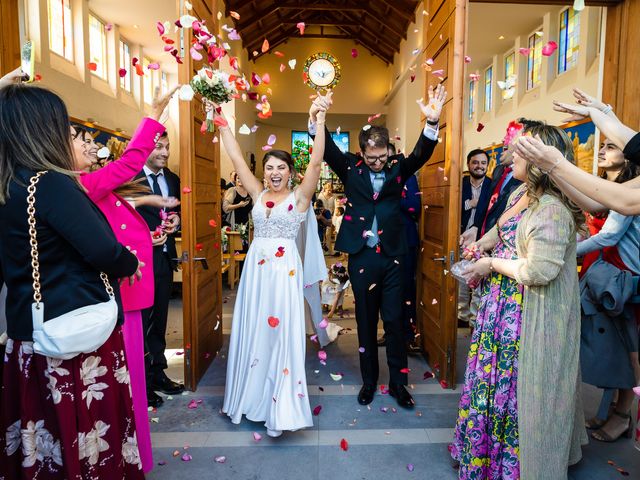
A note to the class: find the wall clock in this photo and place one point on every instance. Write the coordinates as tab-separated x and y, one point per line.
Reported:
322	71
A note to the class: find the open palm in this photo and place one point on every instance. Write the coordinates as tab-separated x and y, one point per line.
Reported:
433	108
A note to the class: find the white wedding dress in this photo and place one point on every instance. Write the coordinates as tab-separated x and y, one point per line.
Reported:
266	378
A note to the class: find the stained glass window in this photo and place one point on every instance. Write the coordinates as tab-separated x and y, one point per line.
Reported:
569	40
534	62
488	89
509	65
98	46
60	28
472	99
125	62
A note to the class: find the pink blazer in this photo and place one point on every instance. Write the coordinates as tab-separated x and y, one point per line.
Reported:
130	228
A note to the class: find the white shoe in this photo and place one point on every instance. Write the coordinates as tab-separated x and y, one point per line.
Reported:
274	433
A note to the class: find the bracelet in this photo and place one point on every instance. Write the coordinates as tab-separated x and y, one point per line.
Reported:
433	124
607	109
548	172
491	264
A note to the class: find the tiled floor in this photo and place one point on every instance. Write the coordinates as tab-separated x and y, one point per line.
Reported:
382	444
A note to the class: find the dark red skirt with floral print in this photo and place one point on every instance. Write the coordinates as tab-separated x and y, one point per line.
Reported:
67	419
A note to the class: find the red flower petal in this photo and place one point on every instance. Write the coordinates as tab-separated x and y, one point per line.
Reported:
221	122
270	204
199	247
344	445
405	370
122	72
93	66
317	410
213	223
186	190
273	322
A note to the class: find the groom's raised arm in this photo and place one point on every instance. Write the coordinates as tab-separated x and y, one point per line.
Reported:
421	152
337	161
429	137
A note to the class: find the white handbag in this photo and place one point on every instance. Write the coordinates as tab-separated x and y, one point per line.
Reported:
82	330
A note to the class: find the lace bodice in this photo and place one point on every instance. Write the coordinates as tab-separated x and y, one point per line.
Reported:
283	221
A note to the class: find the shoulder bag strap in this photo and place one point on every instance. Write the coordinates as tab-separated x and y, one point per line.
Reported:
33	241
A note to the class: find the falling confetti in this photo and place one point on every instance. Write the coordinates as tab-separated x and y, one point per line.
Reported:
480	127
244	130
322	355
336	377
186	457
220	459
300	26
361	349
524	51
354	52
265	46
257	437
235	15
273	322
410	467
467	59
549	48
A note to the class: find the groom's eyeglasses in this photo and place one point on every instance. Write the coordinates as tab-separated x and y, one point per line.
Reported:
380	158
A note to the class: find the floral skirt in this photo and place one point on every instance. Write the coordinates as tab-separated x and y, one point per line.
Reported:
67	419
486	434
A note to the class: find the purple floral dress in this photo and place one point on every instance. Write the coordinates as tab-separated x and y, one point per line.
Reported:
486	434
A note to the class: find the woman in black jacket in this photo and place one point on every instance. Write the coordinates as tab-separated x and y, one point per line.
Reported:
59	419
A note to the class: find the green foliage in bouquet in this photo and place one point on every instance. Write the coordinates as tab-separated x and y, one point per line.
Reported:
217	93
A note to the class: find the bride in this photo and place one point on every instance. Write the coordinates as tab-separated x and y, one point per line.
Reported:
266	378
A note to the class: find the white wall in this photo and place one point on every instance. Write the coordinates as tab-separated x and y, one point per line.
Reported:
85	94
536	103
403	113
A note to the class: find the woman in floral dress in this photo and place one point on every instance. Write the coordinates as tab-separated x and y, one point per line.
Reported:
518	418
486	437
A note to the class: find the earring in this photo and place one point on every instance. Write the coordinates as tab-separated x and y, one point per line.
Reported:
290	183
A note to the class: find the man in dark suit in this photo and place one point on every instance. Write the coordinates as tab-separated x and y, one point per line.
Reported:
372	233
410	206
162	182
476	190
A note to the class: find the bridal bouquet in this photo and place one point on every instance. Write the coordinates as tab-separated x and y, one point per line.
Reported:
215	86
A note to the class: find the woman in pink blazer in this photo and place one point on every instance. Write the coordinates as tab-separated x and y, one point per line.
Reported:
132	231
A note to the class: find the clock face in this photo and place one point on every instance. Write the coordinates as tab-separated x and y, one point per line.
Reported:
322	72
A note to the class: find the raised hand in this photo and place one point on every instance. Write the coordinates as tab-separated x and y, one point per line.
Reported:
159	104
321	102
534	151
576	112
13	77
587	100
433	108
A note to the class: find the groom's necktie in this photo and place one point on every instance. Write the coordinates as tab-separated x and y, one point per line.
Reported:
377	182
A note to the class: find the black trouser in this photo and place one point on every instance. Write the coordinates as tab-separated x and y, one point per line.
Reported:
385	298
409	314
154	319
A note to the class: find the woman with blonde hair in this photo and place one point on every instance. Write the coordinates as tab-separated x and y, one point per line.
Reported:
521	410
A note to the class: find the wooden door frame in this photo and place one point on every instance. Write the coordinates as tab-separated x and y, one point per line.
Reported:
9	36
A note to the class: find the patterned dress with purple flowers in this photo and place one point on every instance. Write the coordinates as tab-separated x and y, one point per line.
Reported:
486	435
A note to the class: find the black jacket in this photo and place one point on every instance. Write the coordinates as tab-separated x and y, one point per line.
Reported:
498	208
75	243
483	200
361	206
151	215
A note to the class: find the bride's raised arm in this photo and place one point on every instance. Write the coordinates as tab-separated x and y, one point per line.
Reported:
250	182
309	183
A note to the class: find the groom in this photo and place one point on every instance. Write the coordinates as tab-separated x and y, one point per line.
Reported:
372	233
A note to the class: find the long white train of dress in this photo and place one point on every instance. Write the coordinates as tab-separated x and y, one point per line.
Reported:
266	379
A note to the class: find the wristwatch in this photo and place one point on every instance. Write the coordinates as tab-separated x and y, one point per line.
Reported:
433	124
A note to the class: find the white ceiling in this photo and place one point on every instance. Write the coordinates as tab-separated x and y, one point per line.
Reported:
488	21
143	13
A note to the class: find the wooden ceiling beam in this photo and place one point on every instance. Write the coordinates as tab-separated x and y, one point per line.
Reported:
410	17
395	46
588	3
241	26
373	48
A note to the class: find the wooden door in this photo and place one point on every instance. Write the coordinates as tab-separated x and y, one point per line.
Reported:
440	187
9	36
200	172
